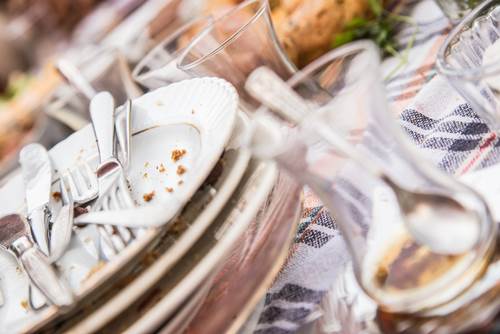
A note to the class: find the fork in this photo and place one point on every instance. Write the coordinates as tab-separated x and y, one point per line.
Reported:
113	188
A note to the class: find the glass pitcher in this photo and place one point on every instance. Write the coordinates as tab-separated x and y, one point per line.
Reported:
398	272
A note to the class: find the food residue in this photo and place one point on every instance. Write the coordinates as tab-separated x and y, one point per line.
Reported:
169	189
177	154
181	170
95	269
192	111
24	304
161	168
146	164
180	182
56	195
145	175
159	103
149	196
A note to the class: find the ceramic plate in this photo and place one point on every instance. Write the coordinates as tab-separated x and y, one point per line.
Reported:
197	217
195	268
150	112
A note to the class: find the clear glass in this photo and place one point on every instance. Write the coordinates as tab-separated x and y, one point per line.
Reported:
159	67
396	271
460	60
235	44
457	9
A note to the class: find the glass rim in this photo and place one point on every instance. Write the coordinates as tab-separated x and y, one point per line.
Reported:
442	65
330	56
168	39
264	6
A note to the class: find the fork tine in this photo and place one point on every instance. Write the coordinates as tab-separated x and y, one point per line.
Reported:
91	176
123	232
73	188
127	201
66	196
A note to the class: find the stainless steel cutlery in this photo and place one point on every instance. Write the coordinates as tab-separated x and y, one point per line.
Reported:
15	237
37	175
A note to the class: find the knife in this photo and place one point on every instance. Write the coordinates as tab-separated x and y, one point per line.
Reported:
37	175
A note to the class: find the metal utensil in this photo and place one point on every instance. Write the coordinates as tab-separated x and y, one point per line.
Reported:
426	215
82	184
110	174
61	230
75	78
123	133
37	175
15	237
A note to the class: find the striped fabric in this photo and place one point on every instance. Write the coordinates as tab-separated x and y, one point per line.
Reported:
440	123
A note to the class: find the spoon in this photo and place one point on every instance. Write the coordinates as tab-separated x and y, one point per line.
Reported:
435	220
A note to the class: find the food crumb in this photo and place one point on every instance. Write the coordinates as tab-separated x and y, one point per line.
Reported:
145	175
24	304
180	182
192	111
169	189
177	154
159	103
162	168
146	164
181	170
56	195
95	269
149	196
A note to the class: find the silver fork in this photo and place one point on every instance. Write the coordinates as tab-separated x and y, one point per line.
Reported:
82	184
113	189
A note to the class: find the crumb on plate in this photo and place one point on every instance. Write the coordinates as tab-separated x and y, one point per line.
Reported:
24	304
56	195
181	170
146	164
95	269
169	189
145	175
161	168
180	182
177	154
149	196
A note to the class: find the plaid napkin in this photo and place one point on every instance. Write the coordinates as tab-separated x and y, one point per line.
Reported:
440	123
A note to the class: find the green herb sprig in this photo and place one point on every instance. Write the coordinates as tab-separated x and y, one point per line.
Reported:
381	27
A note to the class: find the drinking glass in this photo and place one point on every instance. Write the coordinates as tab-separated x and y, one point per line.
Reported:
455	10
470	60
401	274
235	44
159	67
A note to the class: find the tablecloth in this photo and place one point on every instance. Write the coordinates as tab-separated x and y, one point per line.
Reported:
440	123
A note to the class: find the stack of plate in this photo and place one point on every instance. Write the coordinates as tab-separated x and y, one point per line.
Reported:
229	221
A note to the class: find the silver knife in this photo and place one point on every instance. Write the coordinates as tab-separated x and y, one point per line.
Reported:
37	175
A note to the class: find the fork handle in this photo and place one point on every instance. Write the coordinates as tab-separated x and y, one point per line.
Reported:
102	113
41	273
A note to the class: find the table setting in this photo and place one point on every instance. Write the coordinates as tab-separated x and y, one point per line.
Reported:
249	166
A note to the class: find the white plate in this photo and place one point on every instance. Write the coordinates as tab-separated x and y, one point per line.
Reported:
234	164
214	248
215	104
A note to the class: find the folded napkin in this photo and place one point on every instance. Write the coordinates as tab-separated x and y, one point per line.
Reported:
439	122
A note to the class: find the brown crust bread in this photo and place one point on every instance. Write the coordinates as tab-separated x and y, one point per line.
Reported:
305	28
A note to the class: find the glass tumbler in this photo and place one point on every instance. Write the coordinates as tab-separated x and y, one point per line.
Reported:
398	272
470	60
235	44
159	67
457	9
